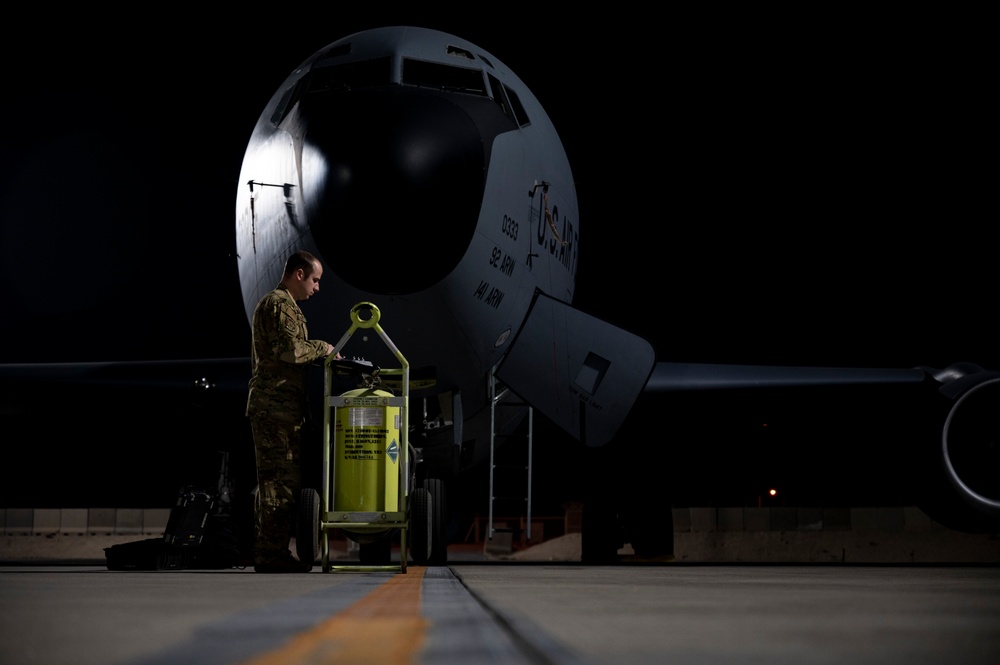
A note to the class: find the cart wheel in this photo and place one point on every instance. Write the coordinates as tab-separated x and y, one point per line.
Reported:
439	521
420	526
377	552
307	534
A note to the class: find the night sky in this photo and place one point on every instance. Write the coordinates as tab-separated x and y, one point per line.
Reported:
806	190
804	194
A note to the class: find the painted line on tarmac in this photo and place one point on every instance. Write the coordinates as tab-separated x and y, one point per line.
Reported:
383	628
247	634
427	615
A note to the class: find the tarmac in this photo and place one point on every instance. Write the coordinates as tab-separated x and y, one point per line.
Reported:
485	611
890	587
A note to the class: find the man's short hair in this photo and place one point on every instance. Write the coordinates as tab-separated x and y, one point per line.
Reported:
303	260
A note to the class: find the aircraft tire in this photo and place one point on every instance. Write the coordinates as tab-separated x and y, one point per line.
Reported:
439	520
307	534
656	540
601	537
420	526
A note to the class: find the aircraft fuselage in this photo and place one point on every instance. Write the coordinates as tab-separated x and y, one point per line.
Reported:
429	181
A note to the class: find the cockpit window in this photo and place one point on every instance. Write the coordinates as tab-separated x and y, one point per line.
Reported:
350	76
334	79
460	52
517	107
508	100
443	77
285	103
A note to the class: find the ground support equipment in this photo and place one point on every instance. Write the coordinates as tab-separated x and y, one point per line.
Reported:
366	475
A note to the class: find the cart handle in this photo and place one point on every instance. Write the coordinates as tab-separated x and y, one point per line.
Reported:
372	319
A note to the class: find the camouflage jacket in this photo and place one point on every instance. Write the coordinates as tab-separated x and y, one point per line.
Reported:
281	354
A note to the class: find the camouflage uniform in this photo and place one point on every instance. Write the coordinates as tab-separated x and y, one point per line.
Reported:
276	406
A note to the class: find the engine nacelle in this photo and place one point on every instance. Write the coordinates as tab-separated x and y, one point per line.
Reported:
967	453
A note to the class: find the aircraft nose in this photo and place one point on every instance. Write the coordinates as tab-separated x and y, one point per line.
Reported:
399	179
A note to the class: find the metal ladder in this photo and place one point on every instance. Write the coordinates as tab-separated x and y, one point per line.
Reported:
497	401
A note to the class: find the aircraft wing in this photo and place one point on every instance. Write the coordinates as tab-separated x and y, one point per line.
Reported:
670	377
226	374
583	373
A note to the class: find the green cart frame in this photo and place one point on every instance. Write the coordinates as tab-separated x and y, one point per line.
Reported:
373	530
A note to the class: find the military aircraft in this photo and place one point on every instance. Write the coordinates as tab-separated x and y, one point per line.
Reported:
430	181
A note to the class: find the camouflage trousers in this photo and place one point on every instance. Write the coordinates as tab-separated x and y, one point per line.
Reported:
279	478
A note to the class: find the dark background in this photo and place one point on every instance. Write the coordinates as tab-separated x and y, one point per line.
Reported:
810	190
753	188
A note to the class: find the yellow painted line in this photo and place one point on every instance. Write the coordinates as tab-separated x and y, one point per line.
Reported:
384	628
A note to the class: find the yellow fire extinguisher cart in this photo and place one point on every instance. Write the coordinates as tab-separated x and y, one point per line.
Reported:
366	466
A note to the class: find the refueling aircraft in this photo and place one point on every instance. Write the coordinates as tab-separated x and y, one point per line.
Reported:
429	180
